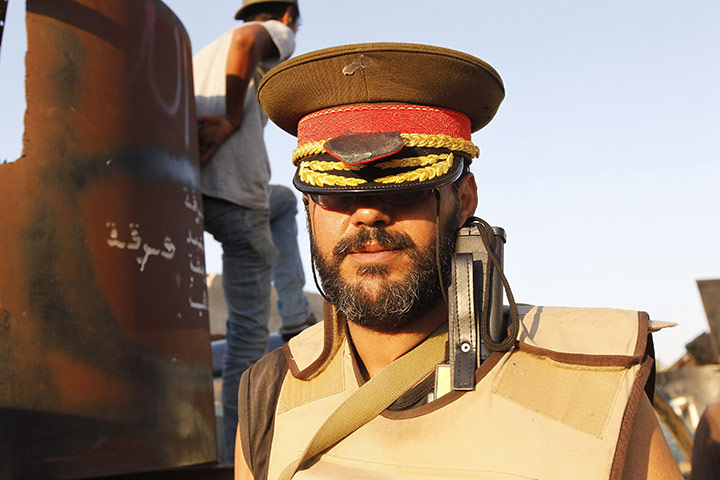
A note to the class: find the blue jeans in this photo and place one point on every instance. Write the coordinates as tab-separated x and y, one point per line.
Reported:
288	274
248	256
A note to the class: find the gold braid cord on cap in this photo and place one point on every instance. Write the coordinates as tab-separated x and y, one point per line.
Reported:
423	161
460	145
313	172
323	166
320	179
422	174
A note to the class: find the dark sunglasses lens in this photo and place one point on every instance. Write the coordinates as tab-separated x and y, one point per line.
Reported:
334	202
345	202
405	198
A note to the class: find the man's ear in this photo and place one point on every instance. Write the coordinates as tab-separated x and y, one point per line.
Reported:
467	193
288	17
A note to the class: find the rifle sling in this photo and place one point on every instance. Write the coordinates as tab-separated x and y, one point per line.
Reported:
375	396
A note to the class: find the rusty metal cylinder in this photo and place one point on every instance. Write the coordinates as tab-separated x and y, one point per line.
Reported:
104	340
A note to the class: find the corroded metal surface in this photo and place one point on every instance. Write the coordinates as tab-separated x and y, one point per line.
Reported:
674	423
692	388
105	363
710	293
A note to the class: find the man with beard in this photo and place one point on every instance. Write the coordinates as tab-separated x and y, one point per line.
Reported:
375	302
384	148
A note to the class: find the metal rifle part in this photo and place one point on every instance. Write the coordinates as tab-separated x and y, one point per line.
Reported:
475	294
3	11
710	294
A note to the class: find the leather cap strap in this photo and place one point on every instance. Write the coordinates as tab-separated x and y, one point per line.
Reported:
375	396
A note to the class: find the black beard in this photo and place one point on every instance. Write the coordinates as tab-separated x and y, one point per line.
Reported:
396	304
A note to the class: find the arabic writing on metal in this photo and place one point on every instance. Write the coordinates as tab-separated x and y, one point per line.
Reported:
136	243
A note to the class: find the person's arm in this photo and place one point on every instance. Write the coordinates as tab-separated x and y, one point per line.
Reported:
250	44
649	456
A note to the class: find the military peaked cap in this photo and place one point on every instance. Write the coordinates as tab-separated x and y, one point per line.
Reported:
381	116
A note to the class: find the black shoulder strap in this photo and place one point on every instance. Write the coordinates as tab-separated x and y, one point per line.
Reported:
257	402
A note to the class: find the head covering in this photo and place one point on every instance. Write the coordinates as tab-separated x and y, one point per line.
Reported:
242	13
380	117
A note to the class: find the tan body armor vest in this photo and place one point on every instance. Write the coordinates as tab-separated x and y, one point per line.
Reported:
559	405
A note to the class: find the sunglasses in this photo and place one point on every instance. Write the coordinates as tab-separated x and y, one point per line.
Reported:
343	203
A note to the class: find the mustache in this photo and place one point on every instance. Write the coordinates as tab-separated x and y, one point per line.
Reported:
387	240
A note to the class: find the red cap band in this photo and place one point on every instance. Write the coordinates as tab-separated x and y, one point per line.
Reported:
377	118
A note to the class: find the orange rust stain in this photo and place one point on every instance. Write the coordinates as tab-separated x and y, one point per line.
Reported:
83	388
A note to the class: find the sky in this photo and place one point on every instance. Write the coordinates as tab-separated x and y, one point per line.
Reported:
602	164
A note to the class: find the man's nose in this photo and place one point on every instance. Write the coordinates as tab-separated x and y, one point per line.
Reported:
370	211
